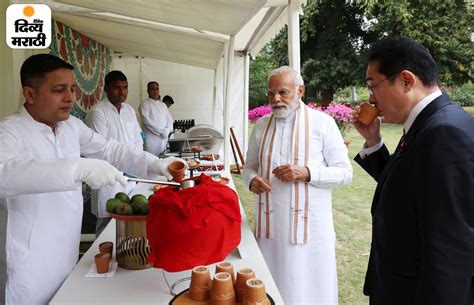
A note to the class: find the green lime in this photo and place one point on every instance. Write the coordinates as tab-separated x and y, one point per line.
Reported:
144	210
137	202
111	205
134	197
137	205
122	197
124	209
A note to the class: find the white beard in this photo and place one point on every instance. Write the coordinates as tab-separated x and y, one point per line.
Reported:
284	112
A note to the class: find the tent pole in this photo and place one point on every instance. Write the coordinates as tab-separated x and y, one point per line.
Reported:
245	137
294	34
227	98
214	98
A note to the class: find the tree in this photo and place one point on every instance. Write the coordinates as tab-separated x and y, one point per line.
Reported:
331	35
336	34
260	67
443	26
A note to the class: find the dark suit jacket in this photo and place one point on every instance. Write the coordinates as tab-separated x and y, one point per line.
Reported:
422	248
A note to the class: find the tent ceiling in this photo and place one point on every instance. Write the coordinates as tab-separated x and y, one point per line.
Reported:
220	16
193	32
146	42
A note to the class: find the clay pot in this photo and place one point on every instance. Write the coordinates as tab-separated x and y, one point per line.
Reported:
201	283
255	293
222	291
106	247
367	113
241	282
102	262
226	267
176	170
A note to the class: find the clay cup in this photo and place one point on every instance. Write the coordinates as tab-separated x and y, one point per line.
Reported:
241	282
176	170
201	283
222	291
102	262
106	247
226	267
367	113
255	293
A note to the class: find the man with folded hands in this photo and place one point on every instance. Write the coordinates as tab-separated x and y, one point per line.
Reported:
296	155
41	175
157	120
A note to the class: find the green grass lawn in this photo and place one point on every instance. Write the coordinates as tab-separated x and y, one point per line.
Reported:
352	220
469	110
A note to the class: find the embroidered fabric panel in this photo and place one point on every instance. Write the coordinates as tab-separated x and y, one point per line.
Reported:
91	61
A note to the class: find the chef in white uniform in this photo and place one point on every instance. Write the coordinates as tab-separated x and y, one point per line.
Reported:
41	174
114	119
157	120
296	155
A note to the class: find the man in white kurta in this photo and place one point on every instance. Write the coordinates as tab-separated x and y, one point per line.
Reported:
113	119
296	155
157	120
41	174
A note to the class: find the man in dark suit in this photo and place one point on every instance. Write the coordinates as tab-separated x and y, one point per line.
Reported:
423	209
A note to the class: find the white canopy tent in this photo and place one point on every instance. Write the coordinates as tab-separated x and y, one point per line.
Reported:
189	46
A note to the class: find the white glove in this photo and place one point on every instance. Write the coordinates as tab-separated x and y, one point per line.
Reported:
160	167
165	133
98	173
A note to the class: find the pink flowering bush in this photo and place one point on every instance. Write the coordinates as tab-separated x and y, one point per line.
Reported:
341	113
257	112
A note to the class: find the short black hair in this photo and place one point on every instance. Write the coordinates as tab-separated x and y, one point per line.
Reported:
114	76
35	68
151	83
395	54
168	98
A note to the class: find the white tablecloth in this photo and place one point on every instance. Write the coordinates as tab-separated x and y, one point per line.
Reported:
148	286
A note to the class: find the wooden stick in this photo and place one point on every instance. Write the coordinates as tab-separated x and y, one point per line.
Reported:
237	145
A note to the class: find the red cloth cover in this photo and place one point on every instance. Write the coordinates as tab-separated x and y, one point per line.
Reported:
195	226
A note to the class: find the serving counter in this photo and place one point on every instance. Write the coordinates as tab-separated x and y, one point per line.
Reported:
148	286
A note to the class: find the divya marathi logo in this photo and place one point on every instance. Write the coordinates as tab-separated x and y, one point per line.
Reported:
28	26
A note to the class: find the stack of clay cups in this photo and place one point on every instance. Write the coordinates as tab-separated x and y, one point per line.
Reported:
241	282
223	289
226	267
103	258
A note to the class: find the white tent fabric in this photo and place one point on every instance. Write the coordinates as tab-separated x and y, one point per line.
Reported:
188	39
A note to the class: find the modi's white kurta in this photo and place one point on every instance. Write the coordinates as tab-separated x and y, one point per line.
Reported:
124	128
157	123
304	273
41	204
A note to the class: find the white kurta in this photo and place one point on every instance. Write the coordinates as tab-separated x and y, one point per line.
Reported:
304	274
158	124
124	128
41	204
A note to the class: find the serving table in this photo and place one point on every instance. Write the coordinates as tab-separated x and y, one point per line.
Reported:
148	286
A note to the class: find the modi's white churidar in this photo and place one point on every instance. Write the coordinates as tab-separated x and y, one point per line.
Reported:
124	128
294	226
158	124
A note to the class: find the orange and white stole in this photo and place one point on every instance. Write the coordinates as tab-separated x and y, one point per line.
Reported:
300	191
